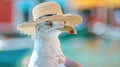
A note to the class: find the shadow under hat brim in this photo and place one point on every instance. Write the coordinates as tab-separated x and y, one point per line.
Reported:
29	27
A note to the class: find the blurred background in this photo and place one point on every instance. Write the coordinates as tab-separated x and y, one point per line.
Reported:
97	43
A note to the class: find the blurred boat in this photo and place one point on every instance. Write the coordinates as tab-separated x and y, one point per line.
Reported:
16	44
88	4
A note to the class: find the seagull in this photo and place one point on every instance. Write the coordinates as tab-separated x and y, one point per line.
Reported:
47	50
48	23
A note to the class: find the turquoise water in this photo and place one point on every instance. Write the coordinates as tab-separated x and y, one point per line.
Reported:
90	52
10	58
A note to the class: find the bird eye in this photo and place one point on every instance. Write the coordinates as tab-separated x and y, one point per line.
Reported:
49	23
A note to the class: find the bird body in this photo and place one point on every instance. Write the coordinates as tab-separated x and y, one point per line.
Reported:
47	51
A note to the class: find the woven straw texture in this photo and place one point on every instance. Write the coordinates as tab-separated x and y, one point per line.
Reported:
48	8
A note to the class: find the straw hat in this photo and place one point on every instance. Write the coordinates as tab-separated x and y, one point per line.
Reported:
47	11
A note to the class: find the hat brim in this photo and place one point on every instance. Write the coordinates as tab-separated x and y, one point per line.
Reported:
29	27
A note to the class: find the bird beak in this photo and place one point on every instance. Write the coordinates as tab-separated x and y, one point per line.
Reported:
68	29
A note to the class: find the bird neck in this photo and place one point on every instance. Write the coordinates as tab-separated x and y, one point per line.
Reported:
48	51
49	44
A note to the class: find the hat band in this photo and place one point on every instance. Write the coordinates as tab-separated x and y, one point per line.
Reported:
45	16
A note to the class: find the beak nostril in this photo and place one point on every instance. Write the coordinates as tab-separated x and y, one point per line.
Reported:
64	22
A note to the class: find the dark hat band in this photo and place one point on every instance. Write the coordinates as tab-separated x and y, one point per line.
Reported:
45	16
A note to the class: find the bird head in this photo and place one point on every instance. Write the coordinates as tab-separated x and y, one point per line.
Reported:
53	28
